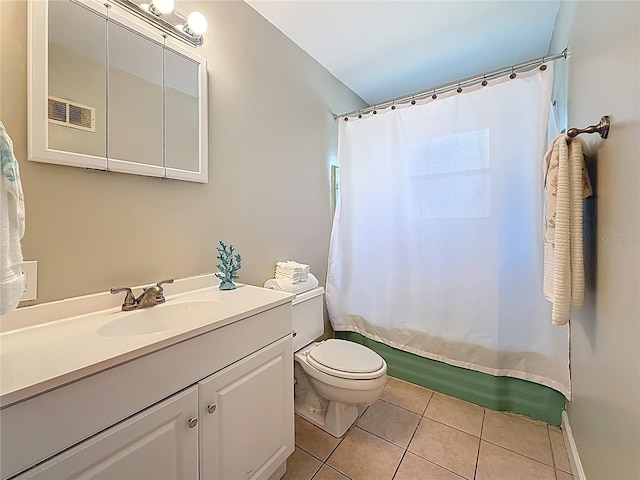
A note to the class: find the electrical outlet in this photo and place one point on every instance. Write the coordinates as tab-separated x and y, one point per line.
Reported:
30	272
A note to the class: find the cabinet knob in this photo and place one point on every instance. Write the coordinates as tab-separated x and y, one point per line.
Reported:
211	408
193	422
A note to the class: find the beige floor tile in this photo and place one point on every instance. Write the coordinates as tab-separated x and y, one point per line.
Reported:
497	463
301	466
363	456
560	456
406	395
328	473
519	434
450	448
560	475
414	467
390	422
313	439
455	413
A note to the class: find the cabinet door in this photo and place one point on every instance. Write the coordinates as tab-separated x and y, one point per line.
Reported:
135	102
185	100
246	412
158	443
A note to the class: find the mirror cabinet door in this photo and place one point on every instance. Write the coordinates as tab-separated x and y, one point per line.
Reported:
135	103
76	83
109	92
182	110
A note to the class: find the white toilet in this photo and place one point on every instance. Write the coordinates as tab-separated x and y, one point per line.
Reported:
333	378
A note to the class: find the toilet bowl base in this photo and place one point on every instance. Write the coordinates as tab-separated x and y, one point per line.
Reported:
336	420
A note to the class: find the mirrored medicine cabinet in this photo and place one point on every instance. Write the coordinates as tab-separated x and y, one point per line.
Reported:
108	92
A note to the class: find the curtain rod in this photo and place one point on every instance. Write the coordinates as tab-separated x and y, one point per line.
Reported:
433	92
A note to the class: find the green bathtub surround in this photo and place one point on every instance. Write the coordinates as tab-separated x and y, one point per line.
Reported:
497	393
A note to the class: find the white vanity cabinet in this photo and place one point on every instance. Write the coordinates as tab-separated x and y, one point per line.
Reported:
246	428
159	443
218	405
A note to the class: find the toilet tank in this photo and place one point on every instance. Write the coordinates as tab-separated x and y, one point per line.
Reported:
307	315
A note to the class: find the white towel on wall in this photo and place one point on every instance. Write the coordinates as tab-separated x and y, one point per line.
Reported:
300	287
12	220
566	184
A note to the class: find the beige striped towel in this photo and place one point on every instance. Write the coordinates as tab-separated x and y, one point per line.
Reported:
566	184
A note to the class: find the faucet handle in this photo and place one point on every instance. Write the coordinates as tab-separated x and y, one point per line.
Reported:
168	280
159	291
129	298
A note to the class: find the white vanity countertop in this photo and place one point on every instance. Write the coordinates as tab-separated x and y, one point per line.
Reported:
42	348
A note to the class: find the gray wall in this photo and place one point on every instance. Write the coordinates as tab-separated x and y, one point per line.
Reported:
271	139
604	78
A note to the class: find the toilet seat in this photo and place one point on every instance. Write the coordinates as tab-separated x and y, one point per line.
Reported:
344	359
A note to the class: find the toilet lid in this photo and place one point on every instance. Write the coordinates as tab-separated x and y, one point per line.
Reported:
335	356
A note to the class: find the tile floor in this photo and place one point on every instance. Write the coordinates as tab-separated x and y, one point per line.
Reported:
412	433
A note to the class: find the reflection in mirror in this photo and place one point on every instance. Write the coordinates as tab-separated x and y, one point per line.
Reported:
135	97
77	80
182	112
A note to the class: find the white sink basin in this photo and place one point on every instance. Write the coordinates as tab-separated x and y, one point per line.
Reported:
158	318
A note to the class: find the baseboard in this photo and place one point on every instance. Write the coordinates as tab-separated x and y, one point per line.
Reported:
280	472
572	449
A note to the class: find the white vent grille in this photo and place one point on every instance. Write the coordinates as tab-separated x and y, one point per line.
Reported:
71	114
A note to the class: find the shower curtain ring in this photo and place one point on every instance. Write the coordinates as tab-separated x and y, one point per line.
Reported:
543	67
459	90
413	100
434	96
484	81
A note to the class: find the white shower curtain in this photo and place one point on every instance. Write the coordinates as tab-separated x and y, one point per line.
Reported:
436	246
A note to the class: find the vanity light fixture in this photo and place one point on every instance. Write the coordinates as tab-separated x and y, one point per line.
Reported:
160	14
196	24
161	7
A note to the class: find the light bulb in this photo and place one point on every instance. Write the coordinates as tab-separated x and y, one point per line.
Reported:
197	23
163	6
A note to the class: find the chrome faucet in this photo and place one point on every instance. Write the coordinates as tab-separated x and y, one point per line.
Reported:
149	297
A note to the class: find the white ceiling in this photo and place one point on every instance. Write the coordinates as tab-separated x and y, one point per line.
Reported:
386	49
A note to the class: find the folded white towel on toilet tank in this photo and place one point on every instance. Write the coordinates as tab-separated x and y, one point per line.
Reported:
293	271
287	286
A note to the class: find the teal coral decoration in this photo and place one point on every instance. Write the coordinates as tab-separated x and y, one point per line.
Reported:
228	266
